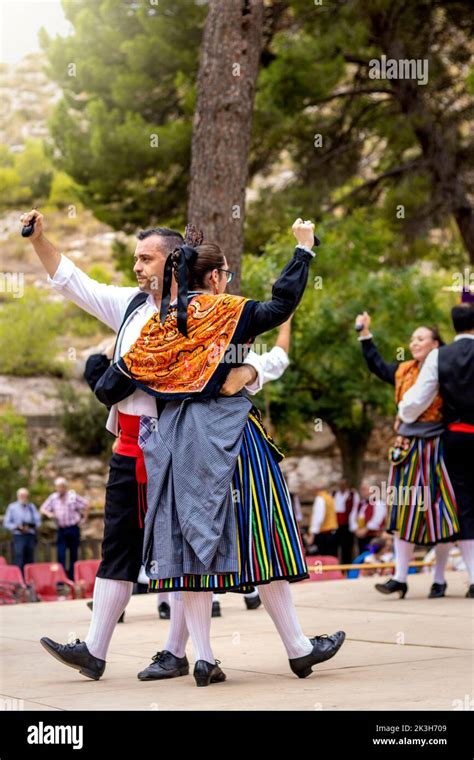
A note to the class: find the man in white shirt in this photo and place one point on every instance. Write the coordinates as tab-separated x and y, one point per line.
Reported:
450	371
346	501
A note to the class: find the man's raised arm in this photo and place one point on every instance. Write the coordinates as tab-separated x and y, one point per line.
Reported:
105	302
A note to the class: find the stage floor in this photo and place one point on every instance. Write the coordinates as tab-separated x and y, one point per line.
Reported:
411	654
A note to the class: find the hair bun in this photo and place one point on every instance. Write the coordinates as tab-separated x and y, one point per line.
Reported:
193	236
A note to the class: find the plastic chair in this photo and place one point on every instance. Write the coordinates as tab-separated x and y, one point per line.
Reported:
45	577
319	560
85	571
13	589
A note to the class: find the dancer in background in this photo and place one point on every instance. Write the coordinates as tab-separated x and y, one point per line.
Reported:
420	498
449	371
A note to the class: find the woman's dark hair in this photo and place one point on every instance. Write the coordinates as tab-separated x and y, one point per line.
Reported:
209	257
462	316
435	334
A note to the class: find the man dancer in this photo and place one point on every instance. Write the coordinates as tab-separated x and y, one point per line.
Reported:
451	370
125	310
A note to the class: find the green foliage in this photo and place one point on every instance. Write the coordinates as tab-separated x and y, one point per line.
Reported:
29	177
122	255
28	334
83	420
328	377
126	139
15	454
63	191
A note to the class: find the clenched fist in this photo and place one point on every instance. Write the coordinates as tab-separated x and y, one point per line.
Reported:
25	219
304	232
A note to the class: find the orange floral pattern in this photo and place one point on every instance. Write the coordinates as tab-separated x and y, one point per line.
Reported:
169	362
405	377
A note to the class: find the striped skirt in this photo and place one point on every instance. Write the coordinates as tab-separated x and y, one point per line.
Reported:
420	498
268	537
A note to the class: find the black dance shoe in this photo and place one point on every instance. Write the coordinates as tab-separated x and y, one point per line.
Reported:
324	647
216	612
470	592
208	672
253	602
437	590
391	587
121	618
77	656
165	665
164	612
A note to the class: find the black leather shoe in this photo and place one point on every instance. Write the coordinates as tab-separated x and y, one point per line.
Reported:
252	602
208	672
165	665
470	592
121	618
216	612
391	587
77	656
437	590
324	647
164	611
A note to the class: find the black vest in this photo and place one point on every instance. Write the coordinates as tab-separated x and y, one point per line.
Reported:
456	380
97	364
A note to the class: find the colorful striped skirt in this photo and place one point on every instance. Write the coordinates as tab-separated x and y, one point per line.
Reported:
268	537
420	498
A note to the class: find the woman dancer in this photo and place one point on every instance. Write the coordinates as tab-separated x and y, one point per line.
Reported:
219	512
420	499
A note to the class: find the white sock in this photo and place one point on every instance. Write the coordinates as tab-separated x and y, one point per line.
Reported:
403	554
110	599
278	602
163	597
467	551
441	555
197	611
178	633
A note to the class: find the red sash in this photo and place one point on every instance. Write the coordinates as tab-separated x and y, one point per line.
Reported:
127	446
461	427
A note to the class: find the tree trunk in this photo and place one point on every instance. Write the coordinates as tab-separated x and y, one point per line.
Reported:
222	125
352	445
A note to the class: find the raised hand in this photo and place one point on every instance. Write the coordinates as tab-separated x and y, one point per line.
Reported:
364	320
27	218
304	232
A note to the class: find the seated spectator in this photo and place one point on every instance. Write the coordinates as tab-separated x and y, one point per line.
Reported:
378	550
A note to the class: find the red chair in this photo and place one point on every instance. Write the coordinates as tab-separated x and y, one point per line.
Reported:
3	561
85	571
317	574
49	580
12	586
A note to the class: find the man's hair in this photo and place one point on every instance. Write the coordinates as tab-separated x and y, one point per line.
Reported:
171	238
462	316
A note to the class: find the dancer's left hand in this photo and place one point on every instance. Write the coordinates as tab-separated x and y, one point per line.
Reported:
304	232
238	378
